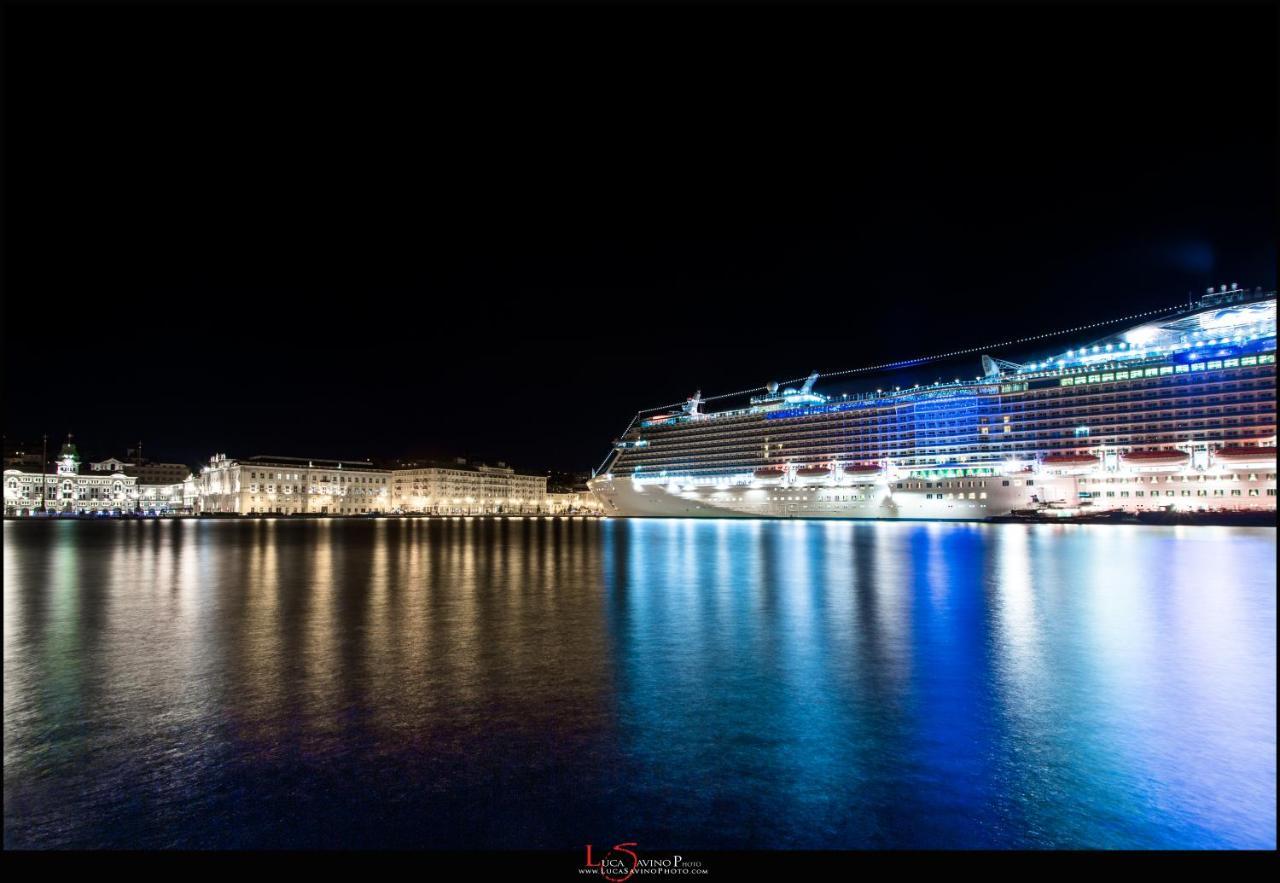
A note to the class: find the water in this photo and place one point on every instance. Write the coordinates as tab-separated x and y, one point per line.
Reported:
682	684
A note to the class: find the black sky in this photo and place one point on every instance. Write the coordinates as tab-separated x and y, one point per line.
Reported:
499	232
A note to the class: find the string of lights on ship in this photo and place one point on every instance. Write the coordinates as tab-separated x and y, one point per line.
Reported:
1071	358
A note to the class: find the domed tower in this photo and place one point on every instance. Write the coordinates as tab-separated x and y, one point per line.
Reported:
69	458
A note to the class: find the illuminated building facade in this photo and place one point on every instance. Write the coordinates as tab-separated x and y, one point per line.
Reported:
1176	413
163	499
66	490
291	486
462	489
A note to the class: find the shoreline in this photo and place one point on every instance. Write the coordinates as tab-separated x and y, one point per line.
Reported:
267	516
1156	519
1195	519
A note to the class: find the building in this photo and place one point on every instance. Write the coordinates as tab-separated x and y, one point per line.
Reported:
146	471
291	486
300	486
163	499
66	490
460	488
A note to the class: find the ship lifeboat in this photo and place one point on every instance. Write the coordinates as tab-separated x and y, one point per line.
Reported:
1242	457
862	470
1155	458
1070	460
768	473
813	472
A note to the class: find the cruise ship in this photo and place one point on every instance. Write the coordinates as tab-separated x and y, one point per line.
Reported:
1176	413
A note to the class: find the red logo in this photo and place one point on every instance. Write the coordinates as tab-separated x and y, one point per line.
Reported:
614	866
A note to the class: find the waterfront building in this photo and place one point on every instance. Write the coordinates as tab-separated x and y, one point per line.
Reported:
162	499
1177	413
146	471
66	490
191	493
460	488
291	486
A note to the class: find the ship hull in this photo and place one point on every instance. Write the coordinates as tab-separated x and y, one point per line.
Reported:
622	497
1097	490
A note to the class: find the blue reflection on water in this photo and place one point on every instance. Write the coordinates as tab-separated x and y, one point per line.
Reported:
825	684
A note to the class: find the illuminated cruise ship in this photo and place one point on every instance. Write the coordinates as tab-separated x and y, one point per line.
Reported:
1175	413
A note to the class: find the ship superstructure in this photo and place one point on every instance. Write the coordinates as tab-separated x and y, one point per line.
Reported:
1174	413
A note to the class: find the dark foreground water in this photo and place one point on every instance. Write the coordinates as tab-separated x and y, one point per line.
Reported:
680	684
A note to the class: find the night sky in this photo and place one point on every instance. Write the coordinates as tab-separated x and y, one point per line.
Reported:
499	232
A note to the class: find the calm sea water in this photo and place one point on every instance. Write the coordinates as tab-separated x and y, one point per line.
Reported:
681	684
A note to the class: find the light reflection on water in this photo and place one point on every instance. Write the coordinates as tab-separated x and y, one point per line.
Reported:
684	684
